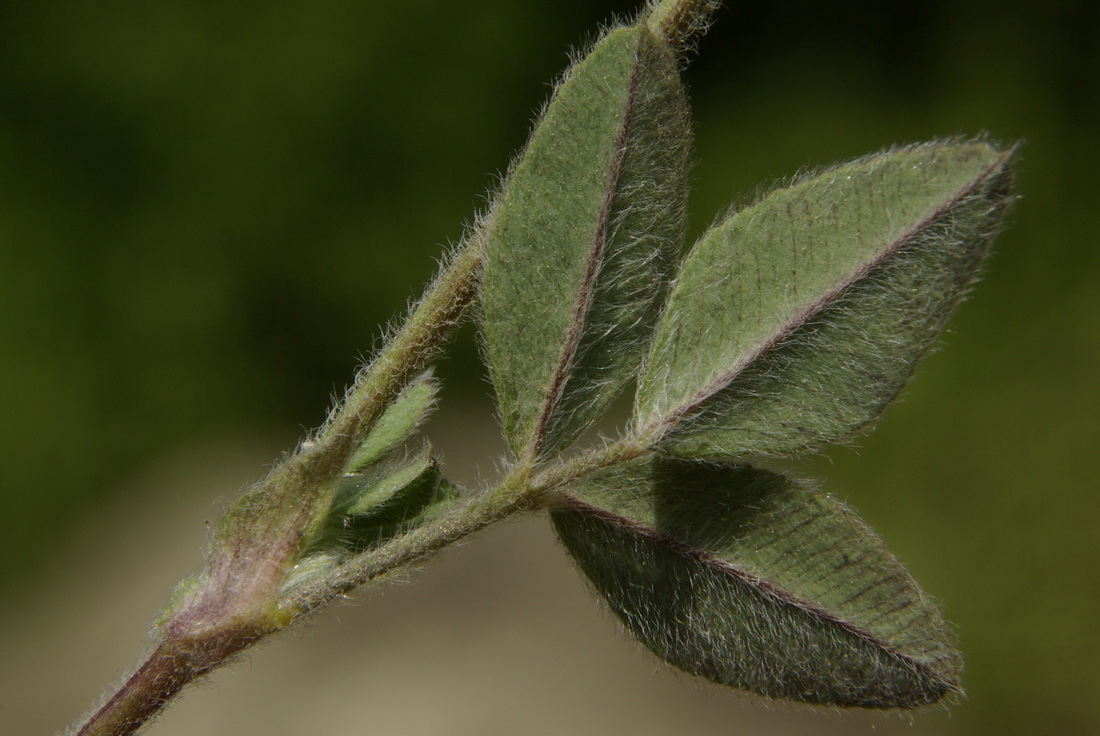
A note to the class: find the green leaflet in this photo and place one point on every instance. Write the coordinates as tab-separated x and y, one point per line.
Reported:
588	223
399	500
795	321
753	580
398	421
384	489
381	485
383	500
372	507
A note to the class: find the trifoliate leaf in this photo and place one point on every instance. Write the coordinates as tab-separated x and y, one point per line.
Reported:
795	321
753	580
587	225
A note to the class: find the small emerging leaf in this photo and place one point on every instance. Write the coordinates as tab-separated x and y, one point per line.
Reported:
795	321
384	490
587	226
753	580
376	487
398	421
377	503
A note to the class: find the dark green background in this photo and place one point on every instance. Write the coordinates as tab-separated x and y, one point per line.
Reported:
208	209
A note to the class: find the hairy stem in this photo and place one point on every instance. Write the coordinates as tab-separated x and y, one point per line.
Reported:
240	599
296	486
521	490
144	693
511	495
677	21
166	671
177	661
428	325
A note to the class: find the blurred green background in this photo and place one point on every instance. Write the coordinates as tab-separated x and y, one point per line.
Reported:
208	209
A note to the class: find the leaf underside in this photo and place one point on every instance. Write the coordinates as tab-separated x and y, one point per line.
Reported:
587	226
791	324
795	321
754	580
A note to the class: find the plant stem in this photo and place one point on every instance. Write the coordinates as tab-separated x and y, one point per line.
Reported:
520	490
513	494
678	20
273	519
176	663
408	352
168	668
291	492
144	693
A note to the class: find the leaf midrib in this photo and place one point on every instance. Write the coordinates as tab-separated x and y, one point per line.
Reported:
592	270
765	587
661	425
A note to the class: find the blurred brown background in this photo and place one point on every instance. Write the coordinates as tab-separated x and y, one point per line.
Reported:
208	209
